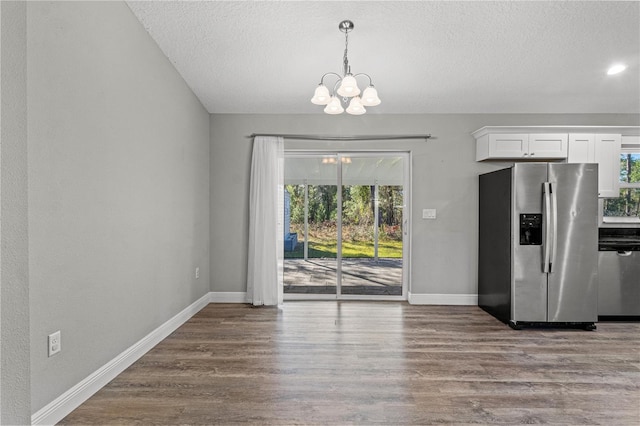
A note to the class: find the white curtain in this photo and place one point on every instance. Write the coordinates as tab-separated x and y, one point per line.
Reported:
266	216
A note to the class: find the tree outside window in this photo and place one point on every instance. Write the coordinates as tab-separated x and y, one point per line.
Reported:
627	205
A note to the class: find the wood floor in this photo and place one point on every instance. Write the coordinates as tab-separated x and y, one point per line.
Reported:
390	363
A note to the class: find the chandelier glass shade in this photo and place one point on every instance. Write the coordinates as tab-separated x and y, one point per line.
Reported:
334	106
345	88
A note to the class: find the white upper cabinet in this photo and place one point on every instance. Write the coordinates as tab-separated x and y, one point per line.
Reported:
581	148
576	144
507	145
521	146
547	145
603	149
607	155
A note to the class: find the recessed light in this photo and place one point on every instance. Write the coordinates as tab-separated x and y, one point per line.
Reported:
616	69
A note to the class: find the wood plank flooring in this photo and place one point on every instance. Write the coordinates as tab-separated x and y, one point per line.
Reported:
390	363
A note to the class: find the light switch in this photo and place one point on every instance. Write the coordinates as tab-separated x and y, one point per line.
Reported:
428	213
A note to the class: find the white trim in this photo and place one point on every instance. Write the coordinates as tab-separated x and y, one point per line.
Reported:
623	130
228	297
407	229
57	409
443	299
619	219
630	141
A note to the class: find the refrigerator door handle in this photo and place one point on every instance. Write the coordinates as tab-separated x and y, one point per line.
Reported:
554	220
546	201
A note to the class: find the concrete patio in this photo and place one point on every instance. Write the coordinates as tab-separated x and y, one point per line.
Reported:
359	276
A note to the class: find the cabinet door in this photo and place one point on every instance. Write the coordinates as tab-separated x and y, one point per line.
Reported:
607	155
581	148
509	145
548	145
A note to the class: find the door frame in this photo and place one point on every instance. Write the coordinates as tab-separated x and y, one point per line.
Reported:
406	217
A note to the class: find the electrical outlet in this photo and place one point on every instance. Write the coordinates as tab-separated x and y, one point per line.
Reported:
197	273
55	344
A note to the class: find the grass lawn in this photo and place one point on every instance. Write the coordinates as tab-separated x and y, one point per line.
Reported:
388	249
350	249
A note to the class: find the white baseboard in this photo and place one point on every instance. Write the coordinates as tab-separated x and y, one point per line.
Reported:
443	299
56	410
228	297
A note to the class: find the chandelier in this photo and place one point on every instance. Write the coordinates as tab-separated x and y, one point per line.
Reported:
346	86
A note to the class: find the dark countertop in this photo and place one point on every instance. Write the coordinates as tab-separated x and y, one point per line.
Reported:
619	239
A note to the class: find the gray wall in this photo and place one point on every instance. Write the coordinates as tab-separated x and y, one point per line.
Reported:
14	273
444	175
118	189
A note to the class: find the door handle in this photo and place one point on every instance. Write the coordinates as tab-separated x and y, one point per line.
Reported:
554	220
624	253
546	204
404	226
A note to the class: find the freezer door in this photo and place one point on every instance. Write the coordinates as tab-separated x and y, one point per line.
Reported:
573	279
529	286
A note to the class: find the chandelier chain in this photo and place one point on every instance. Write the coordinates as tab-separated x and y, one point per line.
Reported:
345	59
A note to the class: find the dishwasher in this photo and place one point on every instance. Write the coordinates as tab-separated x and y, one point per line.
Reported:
619	274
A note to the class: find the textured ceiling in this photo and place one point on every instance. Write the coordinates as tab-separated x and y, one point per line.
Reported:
424	57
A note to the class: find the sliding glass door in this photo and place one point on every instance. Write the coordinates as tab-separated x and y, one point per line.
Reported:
345	225
372	225
310	227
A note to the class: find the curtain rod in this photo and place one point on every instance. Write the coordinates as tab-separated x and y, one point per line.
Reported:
342	138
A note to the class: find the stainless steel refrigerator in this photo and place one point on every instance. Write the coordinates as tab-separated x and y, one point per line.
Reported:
538	248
